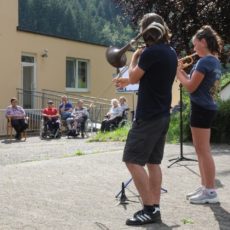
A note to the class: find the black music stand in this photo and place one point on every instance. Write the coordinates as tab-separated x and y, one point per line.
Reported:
123	199
181	157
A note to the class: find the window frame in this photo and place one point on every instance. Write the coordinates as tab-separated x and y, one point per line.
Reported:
76	71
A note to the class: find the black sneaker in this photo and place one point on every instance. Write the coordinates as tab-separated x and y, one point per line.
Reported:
142	217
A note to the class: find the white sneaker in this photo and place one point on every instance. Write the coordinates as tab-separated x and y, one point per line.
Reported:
197	191
204	197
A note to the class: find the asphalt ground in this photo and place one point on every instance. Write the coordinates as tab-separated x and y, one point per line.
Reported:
71	184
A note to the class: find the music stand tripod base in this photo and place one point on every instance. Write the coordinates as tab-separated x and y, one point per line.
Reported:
123	199
178	159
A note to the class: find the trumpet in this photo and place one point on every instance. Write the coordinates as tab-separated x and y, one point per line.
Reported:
187	60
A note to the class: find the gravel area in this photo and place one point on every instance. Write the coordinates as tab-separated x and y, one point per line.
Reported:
34	149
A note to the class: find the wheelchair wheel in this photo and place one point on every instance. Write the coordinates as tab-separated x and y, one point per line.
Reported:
122	123
87	128
58	134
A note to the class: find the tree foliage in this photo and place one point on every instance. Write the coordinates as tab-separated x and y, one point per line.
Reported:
95	21
184	17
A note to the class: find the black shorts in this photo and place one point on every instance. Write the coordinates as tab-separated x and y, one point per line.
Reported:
145	142
200	117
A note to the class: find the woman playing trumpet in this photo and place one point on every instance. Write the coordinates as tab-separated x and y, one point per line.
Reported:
202	86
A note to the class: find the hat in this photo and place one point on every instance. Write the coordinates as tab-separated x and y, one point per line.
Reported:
50	102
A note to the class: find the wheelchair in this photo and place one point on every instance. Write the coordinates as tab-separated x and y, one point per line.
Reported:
80	130
124	118
47	133
118	122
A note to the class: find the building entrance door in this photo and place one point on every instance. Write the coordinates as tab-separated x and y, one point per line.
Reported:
28	82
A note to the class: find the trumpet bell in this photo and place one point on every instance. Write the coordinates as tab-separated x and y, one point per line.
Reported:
187	60
116	57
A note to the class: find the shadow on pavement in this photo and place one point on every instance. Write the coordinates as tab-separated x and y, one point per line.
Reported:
221	215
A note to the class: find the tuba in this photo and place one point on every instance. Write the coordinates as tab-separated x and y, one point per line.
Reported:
117	58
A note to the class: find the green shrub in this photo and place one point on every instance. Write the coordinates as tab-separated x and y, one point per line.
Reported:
220	129
221	124
119	134
225	79
173	135
174	129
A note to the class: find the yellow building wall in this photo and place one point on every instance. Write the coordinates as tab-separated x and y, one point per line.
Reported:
50	71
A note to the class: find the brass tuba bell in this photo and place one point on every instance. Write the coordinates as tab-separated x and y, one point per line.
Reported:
117	58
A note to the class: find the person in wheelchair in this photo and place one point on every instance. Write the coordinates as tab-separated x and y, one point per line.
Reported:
65	108
17	116
123	104
51	121
76	123
113	117
124	108
123	119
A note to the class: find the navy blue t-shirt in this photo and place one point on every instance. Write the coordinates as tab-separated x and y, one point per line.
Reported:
68	106
155	88
206	93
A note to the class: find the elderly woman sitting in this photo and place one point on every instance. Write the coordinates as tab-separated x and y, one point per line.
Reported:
111	117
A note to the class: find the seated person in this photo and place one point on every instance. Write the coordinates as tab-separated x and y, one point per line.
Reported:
65	108
76	122
114	113
51	118
17	116
123	105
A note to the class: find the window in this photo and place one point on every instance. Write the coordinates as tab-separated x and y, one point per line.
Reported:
77	75
70	73
28	59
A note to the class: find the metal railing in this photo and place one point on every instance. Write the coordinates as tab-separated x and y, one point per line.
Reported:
74	95
35	116
38	100
34	101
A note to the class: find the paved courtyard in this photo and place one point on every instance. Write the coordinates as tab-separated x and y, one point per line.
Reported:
70	184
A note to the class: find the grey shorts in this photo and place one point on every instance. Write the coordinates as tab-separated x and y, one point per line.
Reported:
145	142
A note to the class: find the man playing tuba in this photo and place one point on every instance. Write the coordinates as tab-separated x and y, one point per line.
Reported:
154	68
